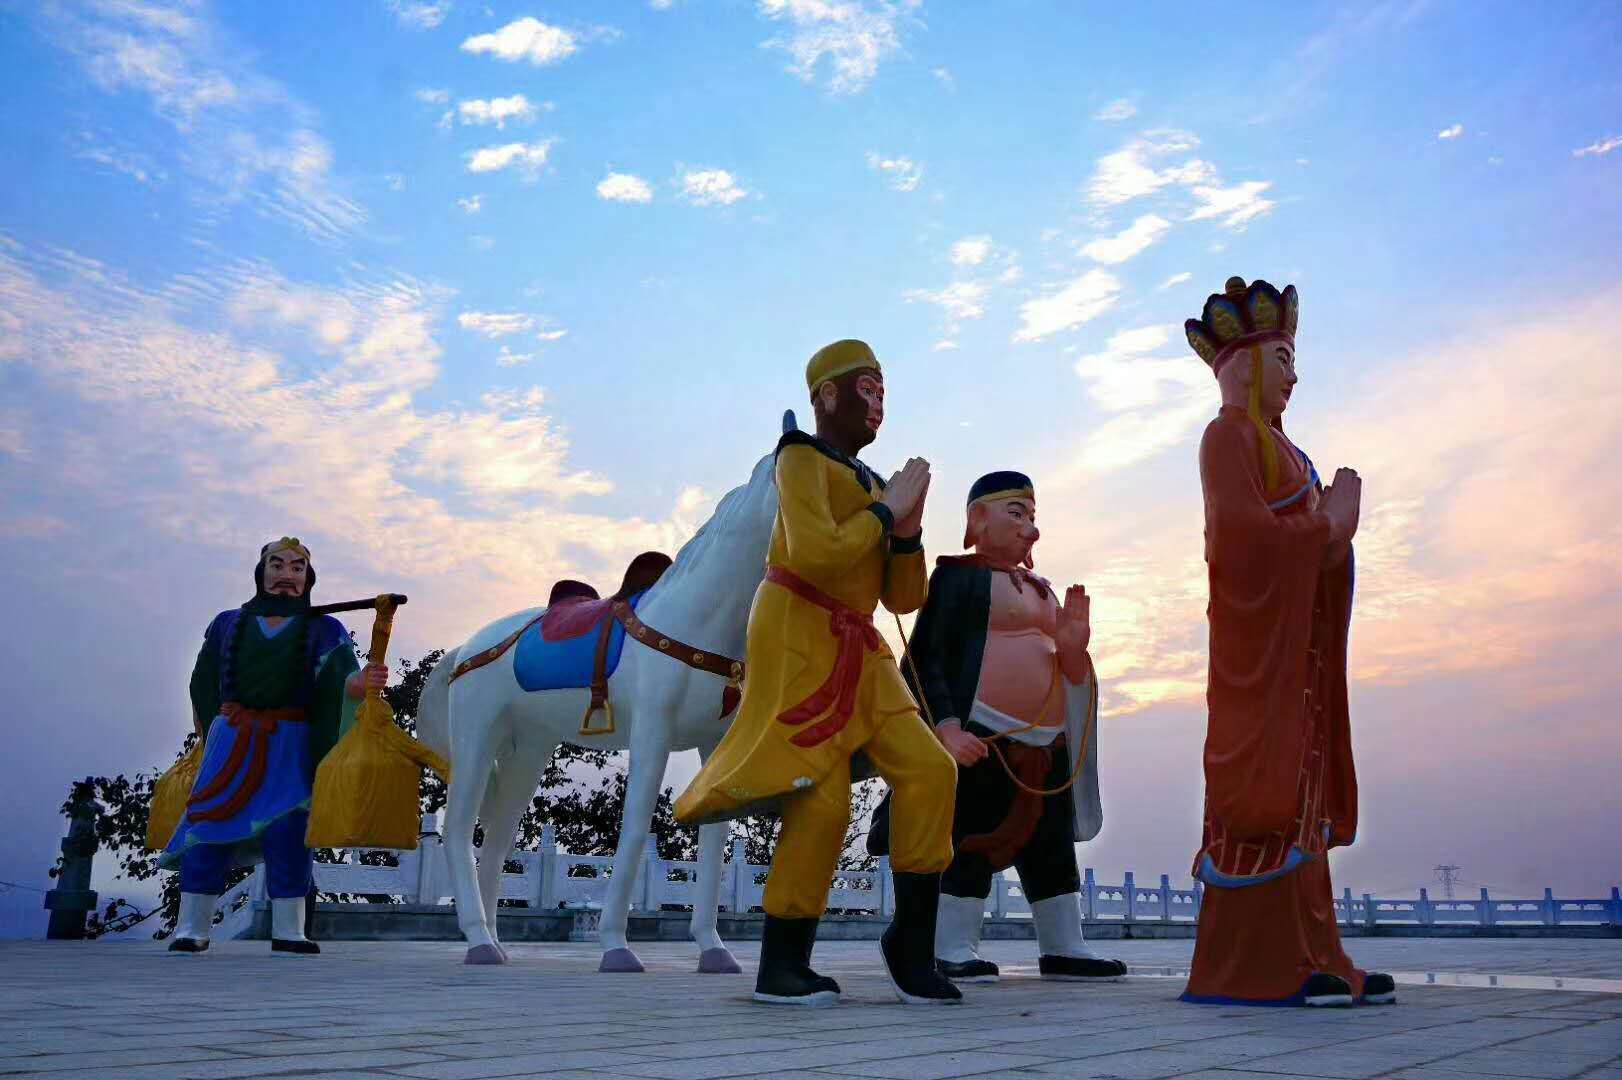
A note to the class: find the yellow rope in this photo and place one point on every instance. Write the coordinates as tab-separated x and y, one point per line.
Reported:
992	740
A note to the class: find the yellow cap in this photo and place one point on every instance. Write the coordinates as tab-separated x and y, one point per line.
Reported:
840	358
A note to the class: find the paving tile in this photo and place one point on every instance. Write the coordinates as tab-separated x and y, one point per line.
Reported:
107	1059
940	1066
525	1065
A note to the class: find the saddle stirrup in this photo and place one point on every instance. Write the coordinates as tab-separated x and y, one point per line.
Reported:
607	709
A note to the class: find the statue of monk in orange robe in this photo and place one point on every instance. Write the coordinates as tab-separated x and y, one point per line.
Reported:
1280	786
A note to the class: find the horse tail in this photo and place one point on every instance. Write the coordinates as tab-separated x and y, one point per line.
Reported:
434	708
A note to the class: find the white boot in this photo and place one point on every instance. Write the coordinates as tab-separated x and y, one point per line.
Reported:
287	927
193	924
957	939
1063	948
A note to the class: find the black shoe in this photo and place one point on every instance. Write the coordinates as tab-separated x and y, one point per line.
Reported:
1323	989
1379	989
909	944
300	948
188	945
970	971
1077	969
785	976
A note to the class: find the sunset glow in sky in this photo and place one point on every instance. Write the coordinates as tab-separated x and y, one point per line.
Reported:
472	297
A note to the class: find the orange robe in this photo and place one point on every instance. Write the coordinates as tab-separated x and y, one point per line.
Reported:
1280	787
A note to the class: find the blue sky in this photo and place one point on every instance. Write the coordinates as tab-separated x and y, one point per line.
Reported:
475	296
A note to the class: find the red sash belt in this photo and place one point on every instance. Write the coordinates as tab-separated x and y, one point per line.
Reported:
856	636
254	728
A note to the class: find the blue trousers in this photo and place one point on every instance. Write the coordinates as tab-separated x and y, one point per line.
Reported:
289	869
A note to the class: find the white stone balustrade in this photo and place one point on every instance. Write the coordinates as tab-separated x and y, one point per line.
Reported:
551	878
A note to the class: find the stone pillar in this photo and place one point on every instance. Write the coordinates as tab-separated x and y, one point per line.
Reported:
73	899
547	868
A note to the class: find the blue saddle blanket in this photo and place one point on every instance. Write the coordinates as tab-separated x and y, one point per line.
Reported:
539	664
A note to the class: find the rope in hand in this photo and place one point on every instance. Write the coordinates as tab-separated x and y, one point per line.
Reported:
992	740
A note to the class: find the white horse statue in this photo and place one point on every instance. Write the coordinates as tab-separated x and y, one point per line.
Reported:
500	737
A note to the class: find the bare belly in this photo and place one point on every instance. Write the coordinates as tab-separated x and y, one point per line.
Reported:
1017	675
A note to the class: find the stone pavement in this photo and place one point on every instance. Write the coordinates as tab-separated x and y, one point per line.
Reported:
127	1010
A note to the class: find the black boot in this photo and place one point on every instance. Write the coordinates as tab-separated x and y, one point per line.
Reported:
1323	989
785	976
909	944
1379	989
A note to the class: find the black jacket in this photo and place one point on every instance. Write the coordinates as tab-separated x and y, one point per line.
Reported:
942	665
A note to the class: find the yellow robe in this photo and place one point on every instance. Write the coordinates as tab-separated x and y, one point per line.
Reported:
826	535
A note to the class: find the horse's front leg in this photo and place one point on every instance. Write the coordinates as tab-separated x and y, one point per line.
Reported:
713	956
650	752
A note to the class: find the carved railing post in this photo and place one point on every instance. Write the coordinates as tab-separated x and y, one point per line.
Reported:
653	876
740	878
547	867
73	899
1130	892
886	886
1423	908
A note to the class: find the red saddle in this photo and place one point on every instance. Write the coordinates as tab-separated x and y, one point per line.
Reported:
574	609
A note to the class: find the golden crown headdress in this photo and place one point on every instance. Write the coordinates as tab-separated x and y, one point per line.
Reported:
286	543
1242	315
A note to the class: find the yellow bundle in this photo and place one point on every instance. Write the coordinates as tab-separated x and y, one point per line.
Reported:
169	795
365	792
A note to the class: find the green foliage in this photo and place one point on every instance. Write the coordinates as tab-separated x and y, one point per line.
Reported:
581	793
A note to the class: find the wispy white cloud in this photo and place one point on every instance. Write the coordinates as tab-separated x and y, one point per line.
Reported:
431	96
472	204
528	158
1451	132
243	137
137	166
1140	169
1174	281
1131	172
902	173
1134	240
710	187
495	324
1599	147
1237	206
624	187
496	111
1071	305
420	14
945	77
852	36
1119	109
960	300
527	38
971	250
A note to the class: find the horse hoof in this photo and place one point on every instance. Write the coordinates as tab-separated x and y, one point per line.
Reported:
718	962
620	960
485	954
